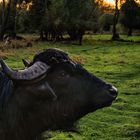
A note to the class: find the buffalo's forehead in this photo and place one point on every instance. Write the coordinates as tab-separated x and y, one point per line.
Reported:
51	56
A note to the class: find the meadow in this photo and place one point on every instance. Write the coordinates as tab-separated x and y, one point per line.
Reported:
115	62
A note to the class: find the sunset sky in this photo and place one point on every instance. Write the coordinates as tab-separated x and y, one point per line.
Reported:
113	1
110	1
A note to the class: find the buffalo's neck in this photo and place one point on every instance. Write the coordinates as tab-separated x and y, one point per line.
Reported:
26	119
63	115
21	122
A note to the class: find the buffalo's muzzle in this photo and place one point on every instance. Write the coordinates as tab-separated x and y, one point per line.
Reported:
112	91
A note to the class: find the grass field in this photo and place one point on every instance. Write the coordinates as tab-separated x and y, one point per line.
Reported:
115	62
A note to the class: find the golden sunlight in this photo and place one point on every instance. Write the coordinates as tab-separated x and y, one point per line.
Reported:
110	1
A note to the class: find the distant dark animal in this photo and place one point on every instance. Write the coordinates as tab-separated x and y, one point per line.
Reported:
51	93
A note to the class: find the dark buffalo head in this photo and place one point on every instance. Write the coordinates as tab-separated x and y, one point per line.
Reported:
53	92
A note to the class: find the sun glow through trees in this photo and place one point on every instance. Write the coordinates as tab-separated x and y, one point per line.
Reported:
110	1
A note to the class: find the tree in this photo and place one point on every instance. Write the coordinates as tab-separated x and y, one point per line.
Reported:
54	17
77	15
23	22
105	21
37	13
5	13
12	25
130	15
52	23
8	16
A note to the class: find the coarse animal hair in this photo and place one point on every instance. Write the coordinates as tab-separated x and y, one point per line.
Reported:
51	56
6	89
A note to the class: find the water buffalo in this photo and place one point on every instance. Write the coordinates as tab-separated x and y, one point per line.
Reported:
51	93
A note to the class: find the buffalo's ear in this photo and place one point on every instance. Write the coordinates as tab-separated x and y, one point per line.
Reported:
51	92
26	62
43	91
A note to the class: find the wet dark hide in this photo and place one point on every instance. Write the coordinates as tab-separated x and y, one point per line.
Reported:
6	89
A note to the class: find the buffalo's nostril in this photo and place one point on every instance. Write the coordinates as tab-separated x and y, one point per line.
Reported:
113	91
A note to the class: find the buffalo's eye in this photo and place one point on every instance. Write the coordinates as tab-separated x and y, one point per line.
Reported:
63	74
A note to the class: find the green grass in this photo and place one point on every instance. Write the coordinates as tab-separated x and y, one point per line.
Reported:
115	62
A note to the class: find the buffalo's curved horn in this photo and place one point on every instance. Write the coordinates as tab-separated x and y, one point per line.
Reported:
35	71
26	62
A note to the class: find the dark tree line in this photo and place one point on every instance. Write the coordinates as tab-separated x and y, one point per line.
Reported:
130	15
56	19
51	18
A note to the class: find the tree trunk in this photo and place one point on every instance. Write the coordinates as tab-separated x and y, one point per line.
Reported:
115	35
130	32
41	35
80	35
2	32
15	21
73	33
